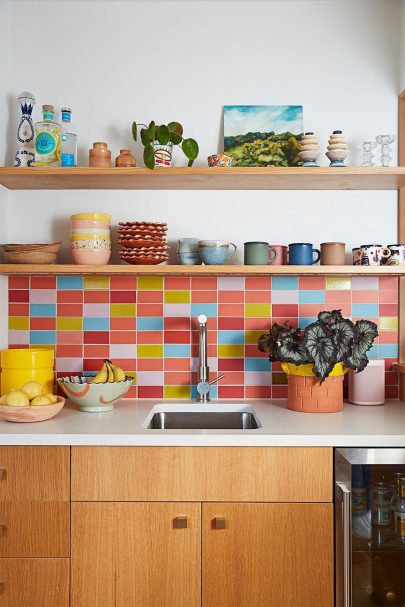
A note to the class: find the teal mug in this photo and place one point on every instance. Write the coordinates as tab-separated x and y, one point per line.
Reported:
256	253
215	252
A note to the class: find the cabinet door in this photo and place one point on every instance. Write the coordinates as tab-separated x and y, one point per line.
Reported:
136	555
34	582
267	555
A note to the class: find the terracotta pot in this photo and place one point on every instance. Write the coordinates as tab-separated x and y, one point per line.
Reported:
125	159
99	155
307	395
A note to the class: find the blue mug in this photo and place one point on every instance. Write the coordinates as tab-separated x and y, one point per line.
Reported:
302	254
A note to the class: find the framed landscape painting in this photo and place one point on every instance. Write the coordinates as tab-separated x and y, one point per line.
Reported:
263	135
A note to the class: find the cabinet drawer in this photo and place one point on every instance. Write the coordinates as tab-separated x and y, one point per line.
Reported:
34	529
255	474
34	582
37	474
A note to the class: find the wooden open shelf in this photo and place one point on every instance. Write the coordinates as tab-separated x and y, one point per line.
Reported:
203	178
225	270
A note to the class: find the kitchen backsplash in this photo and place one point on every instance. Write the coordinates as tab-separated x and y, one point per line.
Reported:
147	325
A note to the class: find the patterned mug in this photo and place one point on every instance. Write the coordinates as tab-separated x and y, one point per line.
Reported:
396	256
356	253
373	254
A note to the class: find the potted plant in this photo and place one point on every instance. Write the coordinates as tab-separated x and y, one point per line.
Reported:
158	141
316	359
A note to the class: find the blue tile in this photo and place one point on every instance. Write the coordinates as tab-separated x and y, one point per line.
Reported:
304	321
284	283
231	337
374	352
150	323
209	309
42	337
388	350
257	364
311	297
43	310
177	350
69	282
213	392
365	310
96	324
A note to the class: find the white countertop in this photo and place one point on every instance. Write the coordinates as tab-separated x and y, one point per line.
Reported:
355	426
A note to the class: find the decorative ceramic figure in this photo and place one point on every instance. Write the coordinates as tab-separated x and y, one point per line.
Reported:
337	149
385	142
220	160
25	155
367	157
310	149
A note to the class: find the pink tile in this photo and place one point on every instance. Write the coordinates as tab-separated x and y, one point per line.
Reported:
177	378
388	297
177	364
338	297
232	297
150	337
258	392
42	296
69	337
150	364
388	337
312	283
389	309
69	365
258	283
258	296
365	296
204	296
389	283
18	337
229	309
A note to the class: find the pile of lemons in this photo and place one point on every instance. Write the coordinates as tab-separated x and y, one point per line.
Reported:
30	394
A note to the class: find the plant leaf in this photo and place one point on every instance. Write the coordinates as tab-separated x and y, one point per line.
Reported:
175	138
190	148
145	136
291	348
365	334
269	342
134	131
321	350
175	127
343	336
163	134
149	156
330	318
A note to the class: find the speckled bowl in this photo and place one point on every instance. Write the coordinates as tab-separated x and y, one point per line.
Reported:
94	398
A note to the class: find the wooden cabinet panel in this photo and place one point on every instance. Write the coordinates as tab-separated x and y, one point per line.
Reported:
268	555
37	474
34	529
34	582
252	474
132	555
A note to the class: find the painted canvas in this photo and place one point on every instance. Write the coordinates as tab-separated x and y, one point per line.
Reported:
263	135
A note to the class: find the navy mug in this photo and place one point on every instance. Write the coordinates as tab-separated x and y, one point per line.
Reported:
302	254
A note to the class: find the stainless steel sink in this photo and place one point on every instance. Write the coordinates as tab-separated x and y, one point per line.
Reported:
206	417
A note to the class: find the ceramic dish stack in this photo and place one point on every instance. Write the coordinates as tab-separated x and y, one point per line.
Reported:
90	238
143	242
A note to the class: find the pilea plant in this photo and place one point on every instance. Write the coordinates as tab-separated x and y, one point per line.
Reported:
329	340
164	134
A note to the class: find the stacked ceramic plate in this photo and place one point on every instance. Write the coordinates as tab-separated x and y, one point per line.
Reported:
90	238
143	242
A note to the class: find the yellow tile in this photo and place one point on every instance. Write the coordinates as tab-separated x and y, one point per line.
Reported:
150	283
69	323
42	347
19	322
177	392
258	310
251	337
334	283
388	323
131	374
96	282
155	351
123	310
177	296
231	351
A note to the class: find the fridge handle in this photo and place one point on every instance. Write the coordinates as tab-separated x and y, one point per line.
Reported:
347	543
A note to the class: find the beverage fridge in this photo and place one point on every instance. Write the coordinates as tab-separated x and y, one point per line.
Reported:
370	527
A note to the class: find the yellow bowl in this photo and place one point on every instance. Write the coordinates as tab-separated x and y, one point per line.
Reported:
307	370
104	217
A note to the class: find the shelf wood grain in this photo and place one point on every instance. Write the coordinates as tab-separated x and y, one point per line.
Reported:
175	270
203	178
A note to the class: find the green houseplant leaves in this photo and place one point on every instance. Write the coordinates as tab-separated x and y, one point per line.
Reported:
164	134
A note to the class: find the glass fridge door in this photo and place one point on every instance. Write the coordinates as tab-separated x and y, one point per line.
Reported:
370	527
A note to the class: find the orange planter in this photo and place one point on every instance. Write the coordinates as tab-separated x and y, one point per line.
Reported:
307	395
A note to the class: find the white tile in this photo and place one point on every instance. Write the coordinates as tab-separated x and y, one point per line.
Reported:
17	337
177	310
365	283
212	363
231	283
122	351
43	296
150	378
257	378
284	297
70	365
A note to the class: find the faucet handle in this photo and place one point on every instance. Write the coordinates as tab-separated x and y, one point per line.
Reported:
214	381
203	387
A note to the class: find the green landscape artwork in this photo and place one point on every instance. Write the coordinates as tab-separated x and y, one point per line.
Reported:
263	135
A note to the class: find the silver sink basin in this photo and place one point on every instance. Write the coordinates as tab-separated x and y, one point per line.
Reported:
201	417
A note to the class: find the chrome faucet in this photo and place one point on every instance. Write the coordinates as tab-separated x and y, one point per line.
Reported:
204	383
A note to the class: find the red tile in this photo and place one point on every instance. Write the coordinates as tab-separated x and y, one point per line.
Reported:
389	362
123	296
177	323
231	324
345	308
365	296
122	324
228	309
121	337
258	283
257	391
258	297
252	351
18	282
212	324
279	391
231	364
70	297
281	320
66	351
177	337
391	378
391	392
211	337
233	378
180	378
127	364
388	297
177	364
389	309
96	337
92	364
42	324
150	391
93	351
71	310
150	364
177	283
18	309
338	297
388	337
95	296
388	283
69	337
231	392
43	282
203	283
312	283
231	297
310	309
19	296
144	310
150	297
284	310
150	337
132	392
276	366
123	283
257	324
204	296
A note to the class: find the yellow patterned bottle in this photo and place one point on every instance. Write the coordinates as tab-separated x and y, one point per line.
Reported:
47	139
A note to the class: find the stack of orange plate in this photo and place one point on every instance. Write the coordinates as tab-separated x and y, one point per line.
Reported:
143	242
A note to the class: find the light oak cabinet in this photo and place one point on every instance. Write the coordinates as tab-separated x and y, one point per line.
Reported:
34	582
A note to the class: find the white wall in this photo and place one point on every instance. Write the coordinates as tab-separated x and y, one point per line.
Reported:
116	62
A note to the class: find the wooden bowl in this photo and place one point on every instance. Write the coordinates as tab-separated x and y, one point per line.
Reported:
53	247
36	413
30	257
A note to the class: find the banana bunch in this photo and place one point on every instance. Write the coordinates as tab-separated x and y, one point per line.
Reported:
108	373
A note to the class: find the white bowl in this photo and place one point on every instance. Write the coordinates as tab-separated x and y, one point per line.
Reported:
94	398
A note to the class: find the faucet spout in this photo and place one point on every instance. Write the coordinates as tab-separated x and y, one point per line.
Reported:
203	386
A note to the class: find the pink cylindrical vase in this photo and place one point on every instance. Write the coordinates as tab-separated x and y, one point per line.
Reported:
368	386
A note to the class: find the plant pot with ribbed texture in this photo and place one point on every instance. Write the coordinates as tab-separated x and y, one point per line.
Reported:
307	395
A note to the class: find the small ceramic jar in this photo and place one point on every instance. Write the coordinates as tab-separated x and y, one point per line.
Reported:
125	159
100	155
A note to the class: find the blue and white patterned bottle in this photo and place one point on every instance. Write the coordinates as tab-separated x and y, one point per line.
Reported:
25	155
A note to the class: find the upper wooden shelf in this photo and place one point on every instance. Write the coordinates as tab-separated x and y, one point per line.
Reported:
203	178
225	270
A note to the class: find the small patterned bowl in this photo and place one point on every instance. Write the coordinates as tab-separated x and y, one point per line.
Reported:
94	398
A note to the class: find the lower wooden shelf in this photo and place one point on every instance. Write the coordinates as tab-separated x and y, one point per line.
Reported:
223	270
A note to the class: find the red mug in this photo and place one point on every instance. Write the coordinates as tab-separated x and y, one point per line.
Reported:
278	255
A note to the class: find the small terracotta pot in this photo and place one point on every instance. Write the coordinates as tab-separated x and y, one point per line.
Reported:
100	155
125	159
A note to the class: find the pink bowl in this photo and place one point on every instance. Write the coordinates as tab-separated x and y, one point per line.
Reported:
78	224
91	257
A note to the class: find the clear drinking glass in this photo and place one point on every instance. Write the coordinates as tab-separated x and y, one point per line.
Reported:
385	142
368	148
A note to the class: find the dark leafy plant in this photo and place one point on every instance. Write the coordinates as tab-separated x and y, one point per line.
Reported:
164	134
331	339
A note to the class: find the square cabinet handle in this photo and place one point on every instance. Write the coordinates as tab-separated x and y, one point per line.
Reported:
180	522
2	474
219	522
2	530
